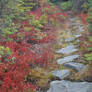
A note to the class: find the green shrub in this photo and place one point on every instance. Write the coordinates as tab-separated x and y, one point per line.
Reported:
88	56
38	23
66	5
89	4
4	51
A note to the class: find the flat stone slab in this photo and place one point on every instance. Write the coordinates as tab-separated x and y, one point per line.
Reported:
81	29
70	39
61	74
75	24
67	50
77	36
67	86
59	42
67	59
72	19
75	66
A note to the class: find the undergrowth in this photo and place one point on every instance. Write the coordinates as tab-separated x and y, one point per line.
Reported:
28	32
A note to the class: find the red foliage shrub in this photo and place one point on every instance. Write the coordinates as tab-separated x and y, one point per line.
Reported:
84	17
12	77
26	52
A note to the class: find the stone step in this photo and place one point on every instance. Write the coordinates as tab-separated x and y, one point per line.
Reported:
61	74
72	19
68	86
75	66
67	50
81	29
77	36
75	24
59	41
67	59
72	38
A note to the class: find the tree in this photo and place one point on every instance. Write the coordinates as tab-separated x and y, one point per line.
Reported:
3	5
77	5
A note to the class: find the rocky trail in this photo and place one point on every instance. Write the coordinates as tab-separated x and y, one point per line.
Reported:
69	59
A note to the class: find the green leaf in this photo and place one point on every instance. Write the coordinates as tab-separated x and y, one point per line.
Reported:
85	42
88	56
90	38
27	29
89	49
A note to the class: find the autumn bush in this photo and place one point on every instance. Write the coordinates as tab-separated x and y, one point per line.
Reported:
86	40
26	41
87	20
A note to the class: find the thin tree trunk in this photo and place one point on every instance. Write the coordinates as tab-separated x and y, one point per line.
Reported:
1	8
77	5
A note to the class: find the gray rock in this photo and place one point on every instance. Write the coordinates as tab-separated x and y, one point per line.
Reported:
70	39
67	50
81	29
67	86
67	59
72	19
75	24
75	66
59	41
78	40
77	36
69	32
61	74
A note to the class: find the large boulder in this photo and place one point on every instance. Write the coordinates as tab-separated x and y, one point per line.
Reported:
67	86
